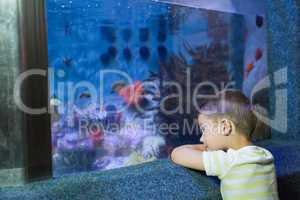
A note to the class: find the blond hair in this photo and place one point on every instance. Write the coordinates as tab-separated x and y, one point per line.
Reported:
235	106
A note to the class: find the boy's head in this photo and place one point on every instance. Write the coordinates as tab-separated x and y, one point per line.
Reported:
227	119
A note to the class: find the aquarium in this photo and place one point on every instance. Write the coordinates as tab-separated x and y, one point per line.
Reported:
127	77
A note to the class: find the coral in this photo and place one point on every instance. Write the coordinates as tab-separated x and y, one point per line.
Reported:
151	146
74	154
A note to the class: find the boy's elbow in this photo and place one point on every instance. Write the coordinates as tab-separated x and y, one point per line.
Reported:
178	153
187	156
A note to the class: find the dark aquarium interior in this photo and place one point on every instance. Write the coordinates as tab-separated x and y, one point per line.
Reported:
124	75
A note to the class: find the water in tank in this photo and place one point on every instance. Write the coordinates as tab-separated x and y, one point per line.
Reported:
125	75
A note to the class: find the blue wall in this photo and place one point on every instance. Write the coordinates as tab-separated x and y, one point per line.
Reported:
283	45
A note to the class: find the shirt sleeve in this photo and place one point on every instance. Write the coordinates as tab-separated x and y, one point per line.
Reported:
216	163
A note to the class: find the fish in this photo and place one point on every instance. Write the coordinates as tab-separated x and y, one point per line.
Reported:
67	61
144	34
144	52
258	54
249	68
132	94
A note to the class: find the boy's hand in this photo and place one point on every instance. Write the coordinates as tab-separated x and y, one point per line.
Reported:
189	156
200	147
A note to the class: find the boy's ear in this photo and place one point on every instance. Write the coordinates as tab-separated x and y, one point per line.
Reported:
226	127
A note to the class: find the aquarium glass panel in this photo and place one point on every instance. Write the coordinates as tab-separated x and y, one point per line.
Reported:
127	77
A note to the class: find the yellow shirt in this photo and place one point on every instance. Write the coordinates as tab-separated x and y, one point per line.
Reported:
247	173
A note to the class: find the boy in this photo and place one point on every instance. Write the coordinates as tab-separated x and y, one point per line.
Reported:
245	170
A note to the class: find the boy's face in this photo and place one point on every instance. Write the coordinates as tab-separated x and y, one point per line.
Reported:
212	137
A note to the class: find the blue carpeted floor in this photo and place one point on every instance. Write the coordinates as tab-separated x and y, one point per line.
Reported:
157	180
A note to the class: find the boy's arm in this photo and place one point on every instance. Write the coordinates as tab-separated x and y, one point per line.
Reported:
189	156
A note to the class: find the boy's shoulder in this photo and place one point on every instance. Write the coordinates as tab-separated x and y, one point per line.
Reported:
251	154
220	163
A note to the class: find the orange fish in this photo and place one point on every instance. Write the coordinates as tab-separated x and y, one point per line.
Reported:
132	94
249	68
